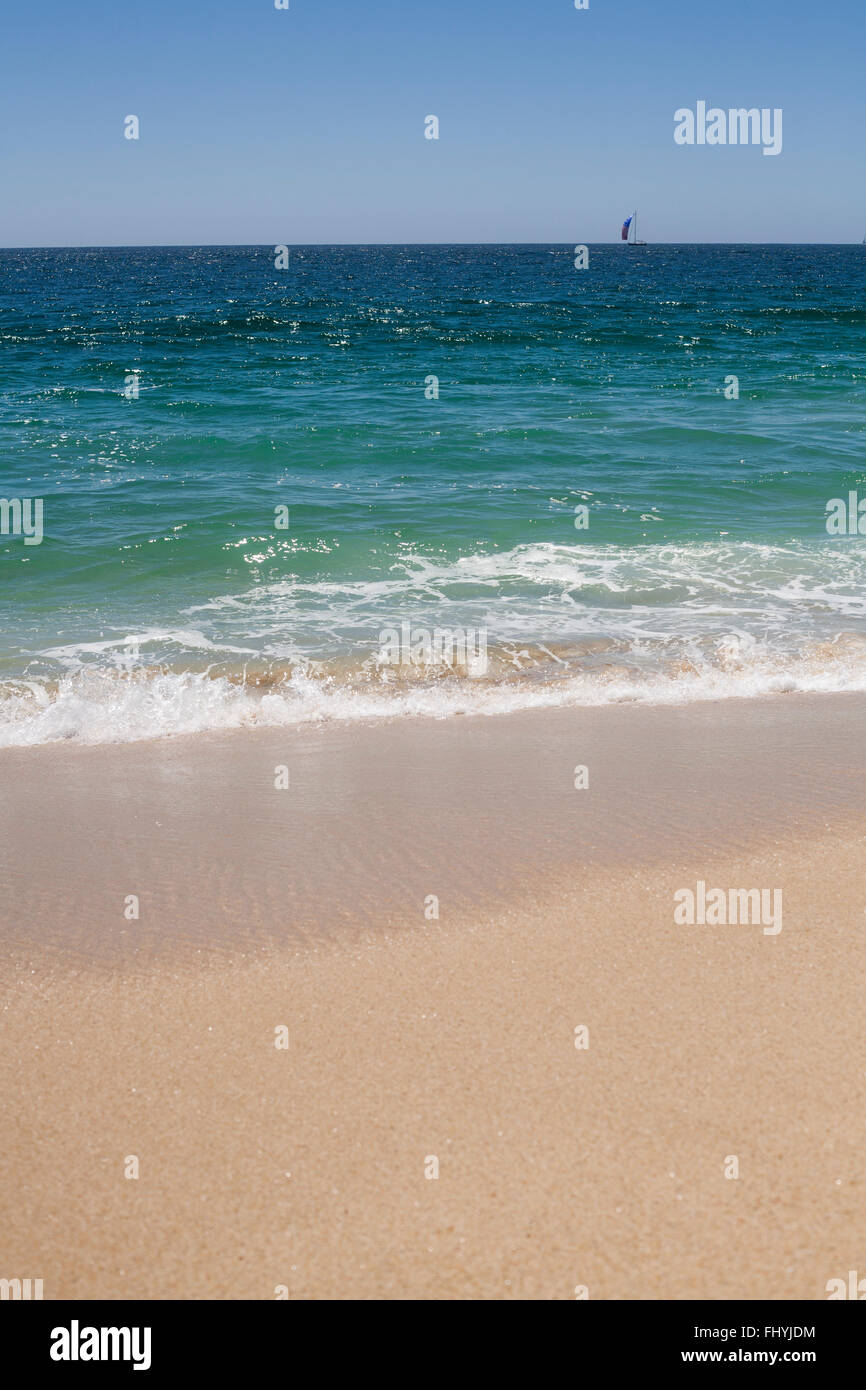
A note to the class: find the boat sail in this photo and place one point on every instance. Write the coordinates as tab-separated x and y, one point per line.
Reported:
630	223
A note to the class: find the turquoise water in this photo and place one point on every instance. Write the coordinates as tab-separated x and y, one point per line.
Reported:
164	598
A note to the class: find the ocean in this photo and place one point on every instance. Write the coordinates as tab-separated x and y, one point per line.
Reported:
614	479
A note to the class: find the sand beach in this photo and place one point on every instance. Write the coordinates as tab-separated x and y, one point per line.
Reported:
331	1092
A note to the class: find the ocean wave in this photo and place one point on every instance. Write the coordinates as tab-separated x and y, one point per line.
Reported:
563	624
98	705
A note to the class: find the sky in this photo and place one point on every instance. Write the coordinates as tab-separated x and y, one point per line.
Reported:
306	125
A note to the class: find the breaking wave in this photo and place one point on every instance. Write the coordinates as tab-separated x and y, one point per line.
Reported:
564	626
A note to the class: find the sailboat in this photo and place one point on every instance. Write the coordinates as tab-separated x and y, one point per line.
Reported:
631	222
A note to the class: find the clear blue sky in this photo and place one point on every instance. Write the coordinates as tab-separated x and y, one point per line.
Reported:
307	125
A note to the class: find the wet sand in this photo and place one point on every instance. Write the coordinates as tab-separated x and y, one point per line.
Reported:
413	1038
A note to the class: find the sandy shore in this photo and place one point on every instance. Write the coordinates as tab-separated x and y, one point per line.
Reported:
412	1037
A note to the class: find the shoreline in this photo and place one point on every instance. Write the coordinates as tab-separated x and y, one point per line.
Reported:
101	709
379	816
454	1038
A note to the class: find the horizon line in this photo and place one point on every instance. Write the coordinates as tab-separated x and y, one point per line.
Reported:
243	245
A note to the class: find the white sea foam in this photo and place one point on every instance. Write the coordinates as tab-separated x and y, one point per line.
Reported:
97	707
567	625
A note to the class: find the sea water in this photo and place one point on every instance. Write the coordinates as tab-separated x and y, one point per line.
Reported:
619	475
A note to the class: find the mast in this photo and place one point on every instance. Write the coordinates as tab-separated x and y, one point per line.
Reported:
634	225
